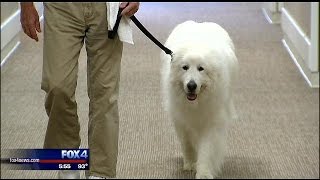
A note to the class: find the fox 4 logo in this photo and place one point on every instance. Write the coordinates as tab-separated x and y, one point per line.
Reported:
74	154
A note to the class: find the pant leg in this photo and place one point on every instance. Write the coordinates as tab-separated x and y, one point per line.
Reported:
63	39
104	57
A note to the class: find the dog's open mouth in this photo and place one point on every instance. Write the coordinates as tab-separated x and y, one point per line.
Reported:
191	96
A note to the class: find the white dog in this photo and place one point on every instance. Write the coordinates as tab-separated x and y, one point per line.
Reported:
197	86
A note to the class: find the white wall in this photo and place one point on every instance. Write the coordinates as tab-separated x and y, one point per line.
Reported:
300	25
11	27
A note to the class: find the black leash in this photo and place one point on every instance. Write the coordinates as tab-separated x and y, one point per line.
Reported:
112	33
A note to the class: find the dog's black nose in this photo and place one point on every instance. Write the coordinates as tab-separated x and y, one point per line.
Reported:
192	85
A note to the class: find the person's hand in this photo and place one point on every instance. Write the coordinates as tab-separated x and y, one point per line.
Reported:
129	8
29	20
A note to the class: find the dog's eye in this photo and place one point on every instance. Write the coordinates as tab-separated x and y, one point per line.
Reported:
200	68
185	67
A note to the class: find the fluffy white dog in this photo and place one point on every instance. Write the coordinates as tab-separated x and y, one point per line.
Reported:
197	86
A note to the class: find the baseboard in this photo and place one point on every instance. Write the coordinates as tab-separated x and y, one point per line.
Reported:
9	36
10	28
296	35
9	51
298	46
312	78
272	18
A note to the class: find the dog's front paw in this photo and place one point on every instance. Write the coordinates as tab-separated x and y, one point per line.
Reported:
200	175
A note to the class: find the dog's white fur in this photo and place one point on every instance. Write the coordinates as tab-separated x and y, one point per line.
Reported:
200	124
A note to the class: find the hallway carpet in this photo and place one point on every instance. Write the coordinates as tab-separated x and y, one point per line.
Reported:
276	136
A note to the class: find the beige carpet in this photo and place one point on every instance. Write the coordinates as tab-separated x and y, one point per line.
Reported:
277	135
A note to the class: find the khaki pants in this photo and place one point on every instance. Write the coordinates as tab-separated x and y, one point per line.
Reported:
67	26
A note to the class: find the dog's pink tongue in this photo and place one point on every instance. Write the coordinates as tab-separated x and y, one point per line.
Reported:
191	97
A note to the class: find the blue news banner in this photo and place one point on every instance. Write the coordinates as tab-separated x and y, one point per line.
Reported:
47	159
